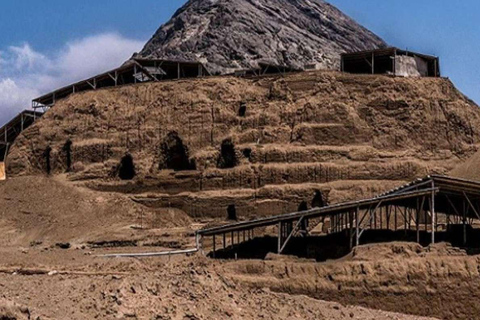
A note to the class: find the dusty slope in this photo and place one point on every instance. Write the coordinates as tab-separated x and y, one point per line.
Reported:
45	211
236	34
470	169
86	287
349	136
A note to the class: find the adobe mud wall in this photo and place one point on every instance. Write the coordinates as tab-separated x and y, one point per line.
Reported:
275	140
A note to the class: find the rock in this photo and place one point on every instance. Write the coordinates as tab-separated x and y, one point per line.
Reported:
14	311
65	245
238	34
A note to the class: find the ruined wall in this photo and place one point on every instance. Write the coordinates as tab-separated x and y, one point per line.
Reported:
406	66
263	145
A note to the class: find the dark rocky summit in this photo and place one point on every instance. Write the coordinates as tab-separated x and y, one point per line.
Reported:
238	34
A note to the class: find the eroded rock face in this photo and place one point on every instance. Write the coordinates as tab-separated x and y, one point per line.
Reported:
348	136
236	34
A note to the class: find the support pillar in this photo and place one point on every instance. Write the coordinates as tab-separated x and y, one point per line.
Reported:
417	224
214	249
464	224
279	240
357	237
432	209
350	229
373	63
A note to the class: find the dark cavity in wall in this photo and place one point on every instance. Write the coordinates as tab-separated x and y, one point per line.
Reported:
318	200
127	168
47	157
231	212
175	154
247	153
67	149
242	110
302	206
227	157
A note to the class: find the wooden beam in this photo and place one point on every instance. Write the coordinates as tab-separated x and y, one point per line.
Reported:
294	230
471	205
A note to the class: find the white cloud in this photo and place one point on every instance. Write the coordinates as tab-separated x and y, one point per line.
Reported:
26	73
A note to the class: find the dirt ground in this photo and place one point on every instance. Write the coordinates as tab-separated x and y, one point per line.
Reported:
77	284
54	233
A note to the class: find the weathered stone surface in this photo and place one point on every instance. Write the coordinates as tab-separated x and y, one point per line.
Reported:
237	34
350	136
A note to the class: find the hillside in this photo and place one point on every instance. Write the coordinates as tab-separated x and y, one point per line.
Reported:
238	34
264	145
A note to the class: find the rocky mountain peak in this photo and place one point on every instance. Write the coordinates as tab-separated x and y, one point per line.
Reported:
237	34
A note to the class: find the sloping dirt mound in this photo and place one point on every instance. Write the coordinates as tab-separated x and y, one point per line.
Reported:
470	169
51	210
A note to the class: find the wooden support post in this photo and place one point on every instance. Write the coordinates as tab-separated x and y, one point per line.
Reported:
394	63
280	232
135	73
432	210
357	237
464	224
178	70
233	239
395	218
417	225
409	218
381	218
243	235
224	242
350	229
238	237
214	249
373	63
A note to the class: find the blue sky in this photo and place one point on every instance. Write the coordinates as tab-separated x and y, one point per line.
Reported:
49	43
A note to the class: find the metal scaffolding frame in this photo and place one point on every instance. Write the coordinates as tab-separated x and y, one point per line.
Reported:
414	206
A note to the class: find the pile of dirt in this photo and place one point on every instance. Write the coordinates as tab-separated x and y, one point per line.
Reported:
237	34
41	211
401	250
348	136
88	287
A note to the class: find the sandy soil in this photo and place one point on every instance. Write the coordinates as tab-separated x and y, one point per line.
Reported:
76	284
40	280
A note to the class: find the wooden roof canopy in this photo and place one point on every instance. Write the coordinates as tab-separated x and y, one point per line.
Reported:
453	196
134	71
381	60
10	131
